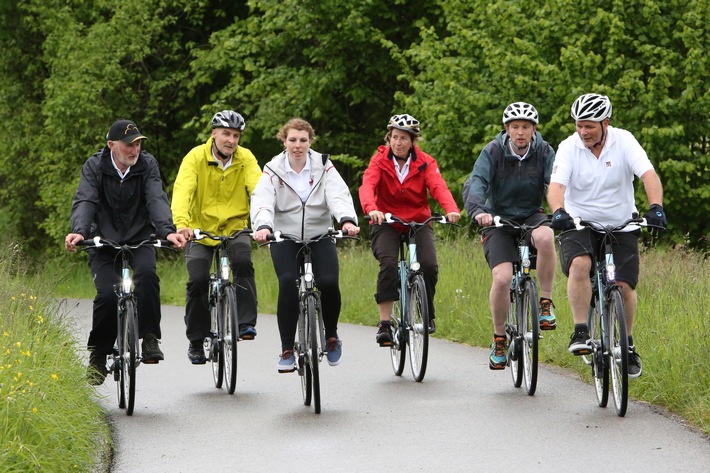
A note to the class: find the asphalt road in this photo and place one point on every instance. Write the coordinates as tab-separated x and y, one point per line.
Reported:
462	417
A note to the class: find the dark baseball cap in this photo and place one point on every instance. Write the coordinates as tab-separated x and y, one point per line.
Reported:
124	130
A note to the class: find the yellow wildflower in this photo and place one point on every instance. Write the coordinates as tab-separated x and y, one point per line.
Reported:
34	410
55	376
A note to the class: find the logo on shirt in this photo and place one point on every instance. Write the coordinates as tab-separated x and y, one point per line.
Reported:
608	164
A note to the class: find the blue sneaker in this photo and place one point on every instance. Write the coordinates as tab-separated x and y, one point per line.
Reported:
547	315
499	354
247	332
334	351
287	362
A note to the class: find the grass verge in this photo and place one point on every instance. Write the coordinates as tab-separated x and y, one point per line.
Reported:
50	419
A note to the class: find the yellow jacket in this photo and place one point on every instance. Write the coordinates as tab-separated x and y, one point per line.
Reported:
208	198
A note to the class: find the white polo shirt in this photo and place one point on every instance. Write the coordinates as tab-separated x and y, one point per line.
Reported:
600	189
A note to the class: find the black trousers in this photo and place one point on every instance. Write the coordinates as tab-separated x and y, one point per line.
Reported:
199	261
105	267
287	257
385	246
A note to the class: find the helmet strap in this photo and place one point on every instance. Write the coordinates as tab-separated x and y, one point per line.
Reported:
219	153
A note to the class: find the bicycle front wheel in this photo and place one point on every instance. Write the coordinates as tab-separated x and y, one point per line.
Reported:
600	369
618	350
398	355
418	328
217	351
130	354
530	330
312	308
229	337
515	343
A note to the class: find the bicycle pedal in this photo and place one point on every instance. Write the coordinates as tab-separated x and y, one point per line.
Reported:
150	362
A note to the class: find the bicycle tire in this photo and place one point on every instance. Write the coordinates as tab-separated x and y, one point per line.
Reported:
512	332
530	335
118	366
418	328
398	352
130	355
217	351
600	369
304	370
618	344
312	348
229	337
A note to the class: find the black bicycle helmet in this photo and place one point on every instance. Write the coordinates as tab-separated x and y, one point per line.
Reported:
228	119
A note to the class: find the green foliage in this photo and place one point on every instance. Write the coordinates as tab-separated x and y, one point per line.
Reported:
649	57
69	68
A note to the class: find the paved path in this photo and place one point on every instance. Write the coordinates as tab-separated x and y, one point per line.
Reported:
462	418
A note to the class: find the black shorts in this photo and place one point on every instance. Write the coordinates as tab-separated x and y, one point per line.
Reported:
499	244
586	242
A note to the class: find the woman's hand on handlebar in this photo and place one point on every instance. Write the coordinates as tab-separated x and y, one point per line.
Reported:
376	216
350	228
453	217
260	235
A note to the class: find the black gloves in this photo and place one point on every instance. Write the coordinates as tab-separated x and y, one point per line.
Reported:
561	220
656	219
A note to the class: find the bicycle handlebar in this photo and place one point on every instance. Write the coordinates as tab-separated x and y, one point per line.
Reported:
498	221
278	237
202	234
98	242
438	218
582	224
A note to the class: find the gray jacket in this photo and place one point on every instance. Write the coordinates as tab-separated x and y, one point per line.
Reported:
277	206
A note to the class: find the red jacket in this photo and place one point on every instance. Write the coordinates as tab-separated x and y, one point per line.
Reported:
381	189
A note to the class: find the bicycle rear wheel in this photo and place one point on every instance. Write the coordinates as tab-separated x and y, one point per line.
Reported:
312	306
600	369
130	355
512	332
418	328
229	337
398	355
618	345
217	351
530	331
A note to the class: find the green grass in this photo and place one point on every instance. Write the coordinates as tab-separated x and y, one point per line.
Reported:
50	419
672	325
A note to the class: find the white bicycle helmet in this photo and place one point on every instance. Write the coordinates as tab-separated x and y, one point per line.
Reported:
228	119
404	122
593	107
520	111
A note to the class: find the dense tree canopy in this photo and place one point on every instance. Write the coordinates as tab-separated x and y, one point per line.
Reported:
68	68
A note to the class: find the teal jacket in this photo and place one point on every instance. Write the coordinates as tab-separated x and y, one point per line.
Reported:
500	184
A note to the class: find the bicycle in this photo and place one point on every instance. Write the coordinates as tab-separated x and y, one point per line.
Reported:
126	355
221	346
522	326
608	341
410	314
310	345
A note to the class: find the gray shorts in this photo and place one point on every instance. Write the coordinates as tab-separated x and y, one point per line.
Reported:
586	242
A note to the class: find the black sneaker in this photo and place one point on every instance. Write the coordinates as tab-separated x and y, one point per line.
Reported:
432	326
634	363
384	333
96	371
151	350
579	343
196	353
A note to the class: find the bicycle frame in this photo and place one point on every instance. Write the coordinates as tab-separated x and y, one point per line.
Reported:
221	346
126	353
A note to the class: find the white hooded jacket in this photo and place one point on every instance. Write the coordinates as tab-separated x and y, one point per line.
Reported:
277	206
